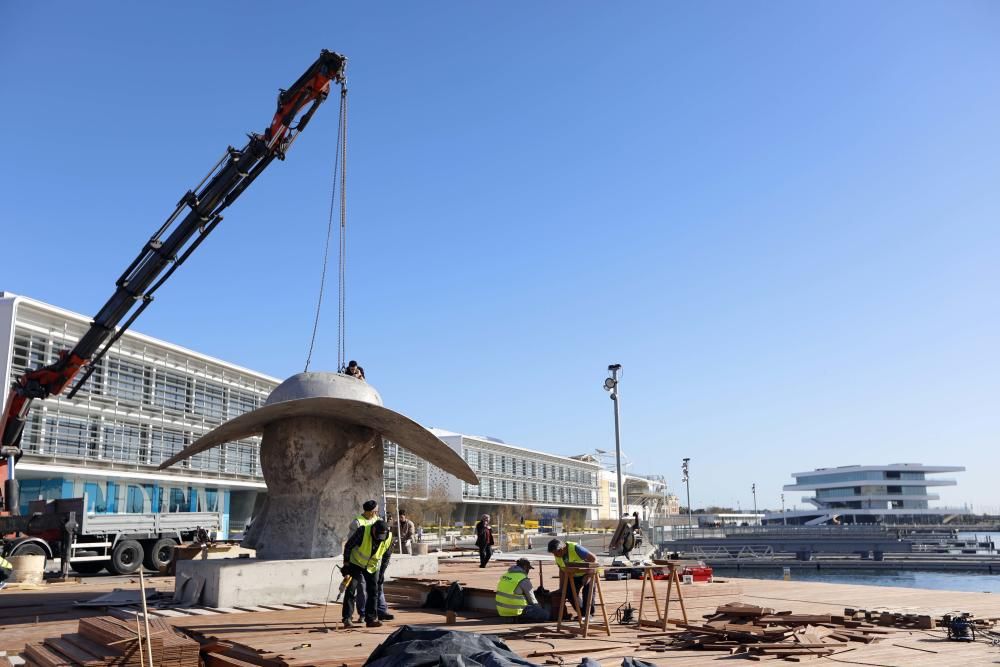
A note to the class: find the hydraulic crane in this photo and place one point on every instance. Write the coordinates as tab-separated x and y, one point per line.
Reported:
195	216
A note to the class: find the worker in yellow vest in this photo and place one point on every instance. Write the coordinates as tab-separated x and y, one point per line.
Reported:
573	554
368	516
366	555
6	569
515	598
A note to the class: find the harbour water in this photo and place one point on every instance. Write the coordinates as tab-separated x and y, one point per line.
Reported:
944	581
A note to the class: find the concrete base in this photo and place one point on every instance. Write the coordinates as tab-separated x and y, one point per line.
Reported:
242	582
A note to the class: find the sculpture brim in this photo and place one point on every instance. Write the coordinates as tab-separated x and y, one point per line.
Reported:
392	425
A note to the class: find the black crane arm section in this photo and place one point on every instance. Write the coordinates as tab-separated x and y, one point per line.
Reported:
195	216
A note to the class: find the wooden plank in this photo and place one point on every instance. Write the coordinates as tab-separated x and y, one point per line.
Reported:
73	652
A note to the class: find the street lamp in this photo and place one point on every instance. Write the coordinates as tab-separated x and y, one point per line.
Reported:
784	519
687	486
753	489
611	384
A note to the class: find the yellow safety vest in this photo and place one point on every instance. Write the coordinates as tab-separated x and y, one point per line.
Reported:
364	557
5	564
362	521
574	559
572	556
510	603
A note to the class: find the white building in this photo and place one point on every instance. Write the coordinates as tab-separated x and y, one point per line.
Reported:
515	476
895	493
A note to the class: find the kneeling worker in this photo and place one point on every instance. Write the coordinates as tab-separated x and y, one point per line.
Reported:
574	555
366	555
515	596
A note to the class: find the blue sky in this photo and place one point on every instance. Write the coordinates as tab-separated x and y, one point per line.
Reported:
780	217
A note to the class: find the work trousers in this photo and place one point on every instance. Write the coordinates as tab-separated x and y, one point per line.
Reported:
381	607
583	588
361	580
485	553
5	573
532	614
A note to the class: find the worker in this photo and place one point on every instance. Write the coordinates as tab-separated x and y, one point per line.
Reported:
366	555
368	516
355	371
6	569
406	530
574	555
515	598
484	540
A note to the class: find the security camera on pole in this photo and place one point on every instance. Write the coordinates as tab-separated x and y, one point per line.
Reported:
611	384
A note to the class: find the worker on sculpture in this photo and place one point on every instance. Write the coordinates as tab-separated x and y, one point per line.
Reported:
366	556
574	555
515	598
354	370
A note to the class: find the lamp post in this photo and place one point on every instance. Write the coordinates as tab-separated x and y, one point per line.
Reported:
687	487
784	519
611	384
753	489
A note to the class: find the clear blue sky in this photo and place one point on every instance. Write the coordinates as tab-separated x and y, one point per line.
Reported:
780	217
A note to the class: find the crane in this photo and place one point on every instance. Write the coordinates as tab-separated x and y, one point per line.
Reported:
194	217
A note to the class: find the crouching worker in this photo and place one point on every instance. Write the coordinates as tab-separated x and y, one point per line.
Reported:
366	555
573	555
515	597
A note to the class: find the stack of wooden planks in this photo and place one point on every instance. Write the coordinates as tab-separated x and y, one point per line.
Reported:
761	632
105	640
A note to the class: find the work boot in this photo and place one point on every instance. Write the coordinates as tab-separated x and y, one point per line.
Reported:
347	623
373	623
385	616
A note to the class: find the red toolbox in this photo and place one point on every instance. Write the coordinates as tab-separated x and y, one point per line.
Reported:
698	573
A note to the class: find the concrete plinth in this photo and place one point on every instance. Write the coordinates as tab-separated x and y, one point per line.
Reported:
244	582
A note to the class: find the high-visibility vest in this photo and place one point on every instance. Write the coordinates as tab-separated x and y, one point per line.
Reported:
509	601
571	555
364	556
364	521
5	564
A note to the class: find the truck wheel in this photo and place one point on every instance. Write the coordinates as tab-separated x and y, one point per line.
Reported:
158	555
127	557
88	566
28	550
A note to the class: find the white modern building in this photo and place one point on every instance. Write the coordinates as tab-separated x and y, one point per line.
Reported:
517	477
895	493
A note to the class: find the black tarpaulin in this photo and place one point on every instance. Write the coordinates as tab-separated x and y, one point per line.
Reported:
434	647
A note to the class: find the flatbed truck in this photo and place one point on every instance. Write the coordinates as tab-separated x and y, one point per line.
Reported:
88	543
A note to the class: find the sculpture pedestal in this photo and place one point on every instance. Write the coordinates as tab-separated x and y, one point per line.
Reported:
319	472
245	582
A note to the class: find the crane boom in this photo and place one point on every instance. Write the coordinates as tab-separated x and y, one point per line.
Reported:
195	216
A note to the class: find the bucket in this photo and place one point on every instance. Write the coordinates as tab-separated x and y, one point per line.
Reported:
27	569
419	548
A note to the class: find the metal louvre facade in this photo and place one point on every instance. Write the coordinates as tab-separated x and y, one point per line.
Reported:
144	402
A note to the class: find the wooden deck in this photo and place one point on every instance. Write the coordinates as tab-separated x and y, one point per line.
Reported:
301	637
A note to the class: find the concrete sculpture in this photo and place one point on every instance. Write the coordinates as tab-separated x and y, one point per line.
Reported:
321	455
